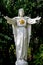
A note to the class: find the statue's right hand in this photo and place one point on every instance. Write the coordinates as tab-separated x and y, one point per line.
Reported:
6	17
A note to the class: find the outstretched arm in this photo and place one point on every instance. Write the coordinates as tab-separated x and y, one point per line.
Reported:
10	20
34	20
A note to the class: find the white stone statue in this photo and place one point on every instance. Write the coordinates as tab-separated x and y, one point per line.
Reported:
22	31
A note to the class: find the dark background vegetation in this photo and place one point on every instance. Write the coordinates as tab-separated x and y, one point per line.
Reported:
10	8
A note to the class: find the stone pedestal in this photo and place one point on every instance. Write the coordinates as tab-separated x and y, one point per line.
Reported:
21	62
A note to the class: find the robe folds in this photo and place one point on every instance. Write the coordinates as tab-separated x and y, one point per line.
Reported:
22	34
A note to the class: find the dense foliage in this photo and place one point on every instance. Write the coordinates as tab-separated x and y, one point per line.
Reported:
10	8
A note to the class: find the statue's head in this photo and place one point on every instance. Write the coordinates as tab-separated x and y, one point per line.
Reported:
21	12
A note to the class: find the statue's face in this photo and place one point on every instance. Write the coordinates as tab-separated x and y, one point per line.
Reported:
21	12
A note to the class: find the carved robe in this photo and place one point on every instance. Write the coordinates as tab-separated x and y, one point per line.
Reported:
22	33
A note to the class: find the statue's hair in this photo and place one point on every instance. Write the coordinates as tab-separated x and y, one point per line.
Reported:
21	9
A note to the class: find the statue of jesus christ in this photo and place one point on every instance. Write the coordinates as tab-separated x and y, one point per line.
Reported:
22	31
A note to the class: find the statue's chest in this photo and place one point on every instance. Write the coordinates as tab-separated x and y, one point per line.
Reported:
21	22
21	26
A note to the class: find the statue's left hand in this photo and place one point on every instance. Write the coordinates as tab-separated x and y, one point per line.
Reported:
38	18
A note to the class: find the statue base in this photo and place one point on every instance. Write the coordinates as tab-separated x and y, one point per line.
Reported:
21	62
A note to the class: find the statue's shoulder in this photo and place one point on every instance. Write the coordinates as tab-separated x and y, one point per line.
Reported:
26	17
22	17
17	17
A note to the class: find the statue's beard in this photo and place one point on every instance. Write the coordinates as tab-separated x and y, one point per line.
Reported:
20	15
